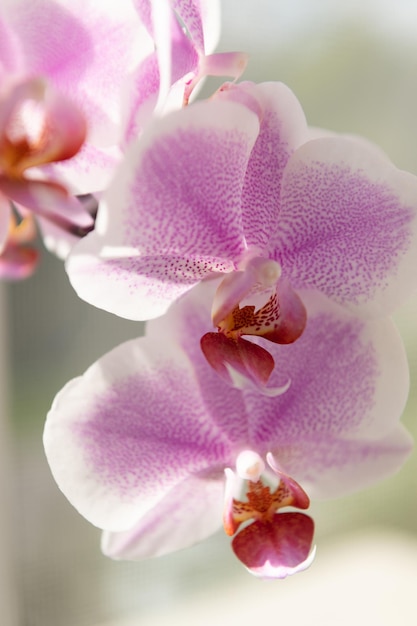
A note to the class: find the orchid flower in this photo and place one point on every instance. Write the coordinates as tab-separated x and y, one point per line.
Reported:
37	127
86	50
115	63
152	447
185	34
235	185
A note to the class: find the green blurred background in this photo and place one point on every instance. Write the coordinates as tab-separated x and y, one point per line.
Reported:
354	67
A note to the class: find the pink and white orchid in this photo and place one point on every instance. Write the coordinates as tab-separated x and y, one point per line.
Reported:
185	34
38	127
86	50
86	54
115	63
235	185
151	446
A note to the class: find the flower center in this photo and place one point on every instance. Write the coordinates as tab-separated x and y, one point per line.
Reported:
256	492
272	545
255	300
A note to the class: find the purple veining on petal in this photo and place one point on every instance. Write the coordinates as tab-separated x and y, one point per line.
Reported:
282	129
166	203
46	48
186	200
333	375
190	13
340	232
138	435
144	286
260	197
190	512
363	461
86	54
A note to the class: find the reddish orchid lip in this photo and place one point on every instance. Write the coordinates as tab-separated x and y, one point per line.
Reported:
276	548
271	543
281	319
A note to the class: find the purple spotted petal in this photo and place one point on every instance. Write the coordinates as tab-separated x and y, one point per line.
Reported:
90	170
141	98
122	436
283	128
347	225
172	214
87	55
202	20
189	513
344	465
349	378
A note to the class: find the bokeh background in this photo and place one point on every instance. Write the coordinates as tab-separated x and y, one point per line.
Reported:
353	65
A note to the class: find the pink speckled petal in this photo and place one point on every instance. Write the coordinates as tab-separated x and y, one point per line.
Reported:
121	437
10	54
277	548
202	20
172	213
330	467
348	225
87	54
283	128
141	98
90	170
190	512
349	378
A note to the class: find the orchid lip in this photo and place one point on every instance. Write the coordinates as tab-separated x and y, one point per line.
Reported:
269	544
